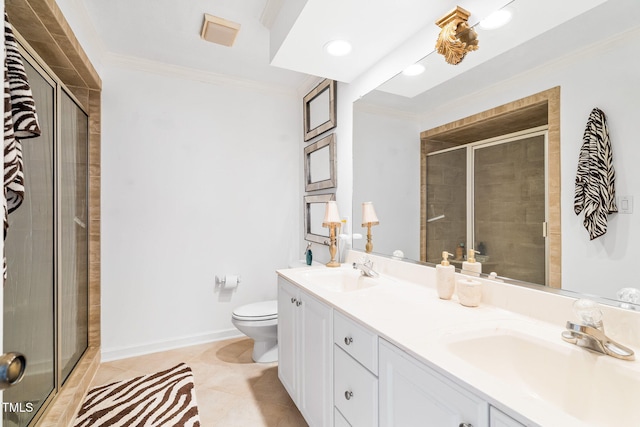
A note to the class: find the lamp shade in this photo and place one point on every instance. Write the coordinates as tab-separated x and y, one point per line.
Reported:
369	214
331	215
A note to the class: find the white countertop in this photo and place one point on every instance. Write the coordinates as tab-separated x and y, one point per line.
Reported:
411	316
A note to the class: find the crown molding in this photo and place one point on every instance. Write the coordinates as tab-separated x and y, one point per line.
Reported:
366	107
270	12
171	70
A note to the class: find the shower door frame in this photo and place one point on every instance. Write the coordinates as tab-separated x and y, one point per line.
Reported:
29	55
470	184
505	139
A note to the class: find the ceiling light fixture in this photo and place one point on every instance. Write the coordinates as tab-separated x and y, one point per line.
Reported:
338	47
497	19
413	70
456	37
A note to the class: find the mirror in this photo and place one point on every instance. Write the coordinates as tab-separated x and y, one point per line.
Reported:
320	164
314	207
592	58
319	108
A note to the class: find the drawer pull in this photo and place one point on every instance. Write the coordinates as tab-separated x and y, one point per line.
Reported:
349	394
348	340
293	300
298	303
465	425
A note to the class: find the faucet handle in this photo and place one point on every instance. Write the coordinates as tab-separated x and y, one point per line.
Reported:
366	261
588	311
628	296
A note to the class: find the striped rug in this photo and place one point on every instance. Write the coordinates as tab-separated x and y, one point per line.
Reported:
165	398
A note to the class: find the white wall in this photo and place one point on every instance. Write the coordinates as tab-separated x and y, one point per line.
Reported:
198	179
201	175
386	164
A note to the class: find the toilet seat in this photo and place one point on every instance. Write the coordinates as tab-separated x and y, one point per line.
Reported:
259	311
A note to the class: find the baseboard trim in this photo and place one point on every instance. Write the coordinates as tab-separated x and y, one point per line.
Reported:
109	355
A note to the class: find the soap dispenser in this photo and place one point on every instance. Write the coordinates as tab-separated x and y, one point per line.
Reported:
470	266
445	277
308	254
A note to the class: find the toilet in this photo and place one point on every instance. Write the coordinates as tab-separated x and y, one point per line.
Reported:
260	322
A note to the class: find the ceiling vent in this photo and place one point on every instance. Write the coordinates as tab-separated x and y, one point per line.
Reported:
219	30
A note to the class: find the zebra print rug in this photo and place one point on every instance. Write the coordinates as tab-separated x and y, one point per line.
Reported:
165	398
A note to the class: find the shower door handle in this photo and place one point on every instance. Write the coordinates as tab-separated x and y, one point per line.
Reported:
12	367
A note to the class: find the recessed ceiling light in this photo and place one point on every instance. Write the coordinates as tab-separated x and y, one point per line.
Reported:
496	20
413	70
338	47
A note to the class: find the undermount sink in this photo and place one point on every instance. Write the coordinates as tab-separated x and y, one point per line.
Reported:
340	279
596	389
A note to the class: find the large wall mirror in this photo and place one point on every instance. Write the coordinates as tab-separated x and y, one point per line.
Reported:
589	61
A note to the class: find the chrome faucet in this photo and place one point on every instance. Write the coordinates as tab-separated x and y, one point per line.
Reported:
590	334
366	267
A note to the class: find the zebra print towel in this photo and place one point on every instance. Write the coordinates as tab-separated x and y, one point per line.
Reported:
165	398
20	121
595	191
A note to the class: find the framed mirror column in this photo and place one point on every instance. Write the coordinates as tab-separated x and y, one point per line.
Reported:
320	164
314	209
319	108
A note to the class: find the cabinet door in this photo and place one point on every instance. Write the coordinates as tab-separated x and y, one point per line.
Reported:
316	357
411	394
287	297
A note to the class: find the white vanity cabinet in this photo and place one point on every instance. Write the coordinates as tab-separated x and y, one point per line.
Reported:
305	344
340	373
412	394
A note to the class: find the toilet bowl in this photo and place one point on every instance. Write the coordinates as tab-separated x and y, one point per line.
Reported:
260	322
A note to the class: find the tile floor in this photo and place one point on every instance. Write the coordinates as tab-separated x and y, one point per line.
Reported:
231	390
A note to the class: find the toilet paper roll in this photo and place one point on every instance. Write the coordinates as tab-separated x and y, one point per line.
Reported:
231	281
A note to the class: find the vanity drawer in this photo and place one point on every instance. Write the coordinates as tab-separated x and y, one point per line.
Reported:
359	342
355	390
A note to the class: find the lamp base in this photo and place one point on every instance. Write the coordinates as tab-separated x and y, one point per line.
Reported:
333	264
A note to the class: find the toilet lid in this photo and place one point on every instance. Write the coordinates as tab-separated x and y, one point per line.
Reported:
264	310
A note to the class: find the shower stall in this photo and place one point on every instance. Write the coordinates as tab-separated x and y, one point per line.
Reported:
46	289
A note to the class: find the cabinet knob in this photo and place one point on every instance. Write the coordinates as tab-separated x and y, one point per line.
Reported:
348	340
298	303
349	394
293	300
465	425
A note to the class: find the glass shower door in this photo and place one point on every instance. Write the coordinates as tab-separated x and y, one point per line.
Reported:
72	239
29	325
510	208
446	205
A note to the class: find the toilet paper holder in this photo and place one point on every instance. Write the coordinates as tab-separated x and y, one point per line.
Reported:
227	280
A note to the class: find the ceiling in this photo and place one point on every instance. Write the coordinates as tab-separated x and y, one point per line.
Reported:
281	42
597	22
168	32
